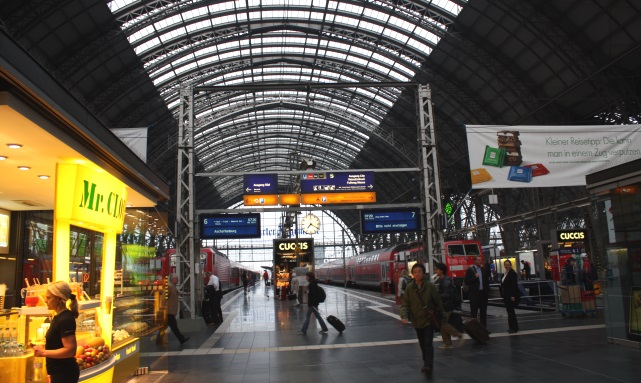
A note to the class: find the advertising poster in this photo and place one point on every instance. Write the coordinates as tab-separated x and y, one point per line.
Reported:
547	156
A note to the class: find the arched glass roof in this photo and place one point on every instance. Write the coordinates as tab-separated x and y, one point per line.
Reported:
254	42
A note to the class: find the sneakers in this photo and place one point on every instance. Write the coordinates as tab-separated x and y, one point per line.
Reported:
301	332
446	346
322	331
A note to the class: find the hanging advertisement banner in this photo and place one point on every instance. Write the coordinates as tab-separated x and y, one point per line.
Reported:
547	156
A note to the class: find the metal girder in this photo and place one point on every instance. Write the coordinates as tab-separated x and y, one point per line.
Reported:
433	236
185	204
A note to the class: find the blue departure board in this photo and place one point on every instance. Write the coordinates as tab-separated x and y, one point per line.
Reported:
329	182
260	184
229	226
390	221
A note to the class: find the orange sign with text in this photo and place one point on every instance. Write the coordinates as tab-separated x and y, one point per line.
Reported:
260	200
338	198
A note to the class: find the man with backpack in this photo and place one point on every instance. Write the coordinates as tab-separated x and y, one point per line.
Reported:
451	298
315	296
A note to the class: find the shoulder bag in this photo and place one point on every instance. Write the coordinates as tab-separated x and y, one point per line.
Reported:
431	314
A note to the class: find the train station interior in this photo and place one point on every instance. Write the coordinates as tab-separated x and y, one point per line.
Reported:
142	140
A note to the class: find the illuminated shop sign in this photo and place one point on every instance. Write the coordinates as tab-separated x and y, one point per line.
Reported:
90	198
571	235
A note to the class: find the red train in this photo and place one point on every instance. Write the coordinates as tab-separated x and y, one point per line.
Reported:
380	269
227	271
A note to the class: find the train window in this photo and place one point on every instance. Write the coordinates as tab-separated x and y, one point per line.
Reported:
455	250
472	249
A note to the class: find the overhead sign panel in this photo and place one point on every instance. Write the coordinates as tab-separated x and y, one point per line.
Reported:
547	156
390	221
260	200
229	226
338	198
331	182
260	184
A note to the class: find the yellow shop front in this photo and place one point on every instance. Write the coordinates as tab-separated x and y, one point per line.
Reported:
95	200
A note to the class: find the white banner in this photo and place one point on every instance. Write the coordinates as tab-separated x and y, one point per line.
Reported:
135	139
547	156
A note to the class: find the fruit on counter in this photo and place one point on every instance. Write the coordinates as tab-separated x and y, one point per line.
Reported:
96	342
91	356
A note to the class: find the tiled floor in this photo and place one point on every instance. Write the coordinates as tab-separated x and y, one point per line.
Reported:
258	343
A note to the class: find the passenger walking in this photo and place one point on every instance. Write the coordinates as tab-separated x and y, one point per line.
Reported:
418	296
245	281
266	279
294	287
451	299
403	281
314	297
511	294
173	298
478	281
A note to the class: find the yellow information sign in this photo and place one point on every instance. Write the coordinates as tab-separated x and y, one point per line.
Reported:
260	200
289	199
338	198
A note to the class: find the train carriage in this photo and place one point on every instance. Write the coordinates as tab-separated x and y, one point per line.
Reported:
381	269
211	259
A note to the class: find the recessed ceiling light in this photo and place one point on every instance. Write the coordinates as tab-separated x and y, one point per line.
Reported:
43	177
24	168
2	158
14	146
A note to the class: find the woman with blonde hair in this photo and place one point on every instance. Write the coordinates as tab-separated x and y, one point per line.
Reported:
60	345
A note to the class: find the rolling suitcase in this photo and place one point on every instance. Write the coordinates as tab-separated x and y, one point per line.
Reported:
476	331
336	323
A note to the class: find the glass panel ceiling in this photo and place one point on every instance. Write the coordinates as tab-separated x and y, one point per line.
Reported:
247	42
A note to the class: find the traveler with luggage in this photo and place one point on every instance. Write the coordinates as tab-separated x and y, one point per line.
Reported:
511	294
422	302
451	298
315	296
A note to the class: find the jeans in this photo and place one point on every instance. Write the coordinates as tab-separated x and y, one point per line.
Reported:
425	336
308	314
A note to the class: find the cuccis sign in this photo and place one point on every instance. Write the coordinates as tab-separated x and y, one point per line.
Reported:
571	235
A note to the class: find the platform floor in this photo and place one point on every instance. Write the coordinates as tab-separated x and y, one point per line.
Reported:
257	342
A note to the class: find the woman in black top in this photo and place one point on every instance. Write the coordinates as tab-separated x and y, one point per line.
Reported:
510	293
60	346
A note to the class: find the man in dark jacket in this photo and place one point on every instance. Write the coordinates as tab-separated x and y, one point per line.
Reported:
477	278
313	300
419	294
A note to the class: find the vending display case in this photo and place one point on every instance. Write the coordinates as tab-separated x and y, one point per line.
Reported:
137	314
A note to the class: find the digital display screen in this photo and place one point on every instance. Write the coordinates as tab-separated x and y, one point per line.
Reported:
390	221
229	226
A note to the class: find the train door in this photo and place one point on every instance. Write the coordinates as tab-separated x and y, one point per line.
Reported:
351	275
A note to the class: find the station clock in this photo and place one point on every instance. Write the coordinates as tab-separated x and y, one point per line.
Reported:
310	224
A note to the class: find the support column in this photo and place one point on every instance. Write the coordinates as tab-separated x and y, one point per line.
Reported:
185	205
432	209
